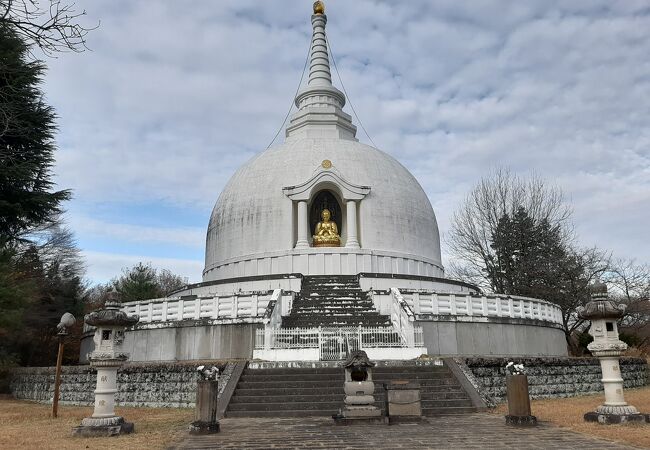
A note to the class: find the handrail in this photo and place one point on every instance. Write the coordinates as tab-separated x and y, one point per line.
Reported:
272	317
402	317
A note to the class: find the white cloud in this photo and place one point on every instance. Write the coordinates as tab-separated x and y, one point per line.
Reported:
102	267
173	99
183	236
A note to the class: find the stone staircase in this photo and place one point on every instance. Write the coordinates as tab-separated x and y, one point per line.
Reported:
333	301
271	391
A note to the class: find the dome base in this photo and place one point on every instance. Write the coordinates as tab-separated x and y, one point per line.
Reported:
324	261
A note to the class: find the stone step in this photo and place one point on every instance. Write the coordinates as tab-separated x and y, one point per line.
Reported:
428	392
284	405
334	321
293	413
336	383
385	377
309	292
339	370
314	397
320	395
334	307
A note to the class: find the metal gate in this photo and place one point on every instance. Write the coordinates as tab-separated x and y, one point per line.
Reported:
337	343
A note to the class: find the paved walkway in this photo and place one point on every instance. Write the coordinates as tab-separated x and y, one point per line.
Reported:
484	431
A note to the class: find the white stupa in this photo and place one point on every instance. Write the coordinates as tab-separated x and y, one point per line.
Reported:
280	278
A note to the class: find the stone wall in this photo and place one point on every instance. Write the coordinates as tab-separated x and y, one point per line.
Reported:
549	377
152	385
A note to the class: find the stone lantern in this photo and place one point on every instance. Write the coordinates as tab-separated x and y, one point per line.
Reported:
359	389
607	347
107	357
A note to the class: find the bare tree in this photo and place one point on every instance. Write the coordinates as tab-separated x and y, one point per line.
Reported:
629	283
500	194
169	282
52	25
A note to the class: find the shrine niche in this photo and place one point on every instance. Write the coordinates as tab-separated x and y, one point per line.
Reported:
325	220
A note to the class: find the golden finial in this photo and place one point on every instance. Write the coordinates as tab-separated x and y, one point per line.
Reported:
319	7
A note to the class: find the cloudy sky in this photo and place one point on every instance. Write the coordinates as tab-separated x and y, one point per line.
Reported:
174	96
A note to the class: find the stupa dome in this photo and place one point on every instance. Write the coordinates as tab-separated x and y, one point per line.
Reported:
259	227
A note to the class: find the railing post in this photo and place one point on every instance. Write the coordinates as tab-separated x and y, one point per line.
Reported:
360	335
320	343
235	306
197	308
163	312
267	337
180	310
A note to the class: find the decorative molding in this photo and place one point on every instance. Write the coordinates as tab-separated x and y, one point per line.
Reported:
323	178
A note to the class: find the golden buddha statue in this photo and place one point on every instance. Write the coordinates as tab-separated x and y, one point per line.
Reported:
326	233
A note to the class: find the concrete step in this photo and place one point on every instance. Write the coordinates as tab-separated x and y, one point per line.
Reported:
450	410
294	413
378	378
311	398
333	394
377	370
447	382
283	406
442	392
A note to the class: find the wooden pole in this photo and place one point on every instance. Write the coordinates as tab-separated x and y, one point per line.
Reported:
57	378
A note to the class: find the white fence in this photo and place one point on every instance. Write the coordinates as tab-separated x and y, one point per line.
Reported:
233	306
424	302
334	343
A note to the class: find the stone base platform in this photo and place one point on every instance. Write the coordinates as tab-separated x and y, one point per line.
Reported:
103	430
199	427
521	421
609	419
103	426
480	431
376	420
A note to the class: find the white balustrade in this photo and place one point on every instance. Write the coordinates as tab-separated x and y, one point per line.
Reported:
234	306
471	305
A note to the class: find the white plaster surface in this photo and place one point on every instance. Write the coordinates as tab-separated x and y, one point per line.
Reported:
396	223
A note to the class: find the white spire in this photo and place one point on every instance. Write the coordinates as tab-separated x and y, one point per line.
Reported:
319	61
320	104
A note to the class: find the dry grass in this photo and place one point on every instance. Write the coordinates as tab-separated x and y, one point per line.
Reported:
568	413
30	425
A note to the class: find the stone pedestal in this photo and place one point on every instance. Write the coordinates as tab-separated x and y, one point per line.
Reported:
403	402
205	414
519	412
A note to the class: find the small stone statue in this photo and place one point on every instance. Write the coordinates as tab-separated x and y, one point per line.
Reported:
359	387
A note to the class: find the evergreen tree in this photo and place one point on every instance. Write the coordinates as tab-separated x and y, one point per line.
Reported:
27	198
138	283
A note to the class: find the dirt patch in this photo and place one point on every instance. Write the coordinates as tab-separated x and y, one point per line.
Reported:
30	425
568	413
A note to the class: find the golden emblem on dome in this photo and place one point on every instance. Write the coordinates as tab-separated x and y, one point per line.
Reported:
319	7
326	164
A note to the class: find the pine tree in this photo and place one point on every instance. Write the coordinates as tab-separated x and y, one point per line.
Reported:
138	283
27	198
